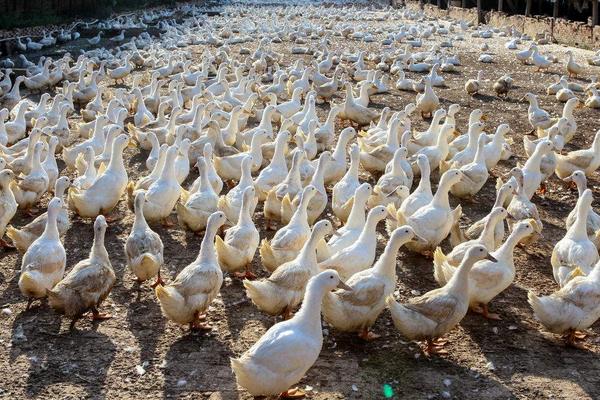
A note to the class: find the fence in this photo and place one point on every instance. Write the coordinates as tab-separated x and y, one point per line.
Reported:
576	10
561	30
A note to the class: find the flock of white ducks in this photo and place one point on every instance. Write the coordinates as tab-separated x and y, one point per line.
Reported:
246	118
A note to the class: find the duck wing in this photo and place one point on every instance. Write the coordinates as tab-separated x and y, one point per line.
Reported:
365	292
290	278
437	305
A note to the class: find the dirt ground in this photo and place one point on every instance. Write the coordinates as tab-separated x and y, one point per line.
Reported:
139	354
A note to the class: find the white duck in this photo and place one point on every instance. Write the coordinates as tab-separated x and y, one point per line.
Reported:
195	208
24	237
143	248
361	254
538	118
474	174
434	221
487	279
573	308
32	187
288	241
358	309
343	191
355	223
43	264
185	300
277	169
236	250
281	293
8	204
575	253
586	160
393	186
107	189
435	313
288	349
231	203
593	220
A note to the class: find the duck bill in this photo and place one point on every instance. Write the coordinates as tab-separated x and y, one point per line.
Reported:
419	239
491	258
336	233
342	285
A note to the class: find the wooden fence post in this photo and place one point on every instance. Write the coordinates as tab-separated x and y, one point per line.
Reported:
555	9
500	5
479	12
594	12
463	4
528	8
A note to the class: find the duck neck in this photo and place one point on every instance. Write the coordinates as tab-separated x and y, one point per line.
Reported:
198	113
234	120
425	182
435	122
301	213
207	247
392	135
459	282
568	110
278	160
294	178
353	169
15	92
386	265
51	230
255	150
246	176
340	149
330	121
139	223
308	254
581	186
98	249
440	199
534	161
265	122
501	197
489	229
596	144
498	139
204	180
317	180
506	250
98	130
309	315
442	143
479	155
116	159
21	113
244	217
578	231
368	232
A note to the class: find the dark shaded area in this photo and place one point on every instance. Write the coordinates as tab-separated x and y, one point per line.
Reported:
19	13
574	10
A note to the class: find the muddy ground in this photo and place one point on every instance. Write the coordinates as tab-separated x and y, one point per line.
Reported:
139	354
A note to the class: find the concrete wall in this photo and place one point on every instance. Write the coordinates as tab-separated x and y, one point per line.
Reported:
563	31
